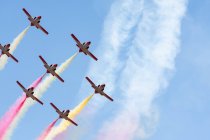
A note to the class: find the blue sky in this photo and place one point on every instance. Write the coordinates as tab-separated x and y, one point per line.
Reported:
183	106
60	19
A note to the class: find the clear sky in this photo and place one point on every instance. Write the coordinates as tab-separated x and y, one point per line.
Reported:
184	107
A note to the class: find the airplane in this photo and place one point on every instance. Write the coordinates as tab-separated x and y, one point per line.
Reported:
51	68
99	89
5	50
29	92
35	21
64	114
83	47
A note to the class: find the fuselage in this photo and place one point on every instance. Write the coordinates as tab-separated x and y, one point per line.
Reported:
64	114
51	69
84	48
99	89
4	49
35	21
29	92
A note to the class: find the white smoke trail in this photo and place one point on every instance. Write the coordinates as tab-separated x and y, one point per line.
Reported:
48	81
15	43
122	18
150	62
38	92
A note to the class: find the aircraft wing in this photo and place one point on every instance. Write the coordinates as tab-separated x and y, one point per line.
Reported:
91	82
34	98
41	28
56	109
91	55
23	88
76	40
88	52
43	60
56	75
71	121
26	12
10	55
107	96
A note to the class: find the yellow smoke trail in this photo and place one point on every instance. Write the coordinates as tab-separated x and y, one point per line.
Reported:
65	124
38	92
15	43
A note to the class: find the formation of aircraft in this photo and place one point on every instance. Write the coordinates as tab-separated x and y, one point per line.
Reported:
64	114
99	89
29	92
5	50
35	21
83	47
51	68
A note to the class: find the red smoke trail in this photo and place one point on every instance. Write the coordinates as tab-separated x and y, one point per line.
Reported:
47	130
10	115
37	82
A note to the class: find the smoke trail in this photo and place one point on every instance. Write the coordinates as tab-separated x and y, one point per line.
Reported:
11	125
157	40
122	18
38	92
7	119
15	43
56	131
48	81
118	29
47	130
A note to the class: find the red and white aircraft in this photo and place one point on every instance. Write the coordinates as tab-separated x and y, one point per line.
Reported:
35	21
5	50
29	92
51	69
64	114
83	47
99	89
